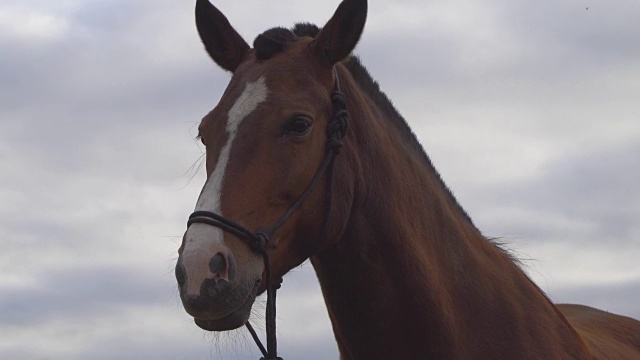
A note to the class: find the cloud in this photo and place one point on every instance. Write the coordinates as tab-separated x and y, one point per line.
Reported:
21	23
595	188
77	293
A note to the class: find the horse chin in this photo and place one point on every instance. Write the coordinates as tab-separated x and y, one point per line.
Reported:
234	320
230	322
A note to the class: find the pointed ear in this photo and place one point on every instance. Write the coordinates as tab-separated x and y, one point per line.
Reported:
225	46
340	35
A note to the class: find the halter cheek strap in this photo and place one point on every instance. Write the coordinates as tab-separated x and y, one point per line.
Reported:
336	131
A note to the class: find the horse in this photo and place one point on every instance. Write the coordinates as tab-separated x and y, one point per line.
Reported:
404	272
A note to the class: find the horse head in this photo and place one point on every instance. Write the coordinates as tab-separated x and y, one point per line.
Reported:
265	142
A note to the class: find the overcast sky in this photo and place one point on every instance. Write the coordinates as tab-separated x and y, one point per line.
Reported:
529	109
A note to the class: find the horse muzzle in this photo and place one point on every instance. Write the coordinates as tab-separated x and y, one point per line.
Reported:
212	291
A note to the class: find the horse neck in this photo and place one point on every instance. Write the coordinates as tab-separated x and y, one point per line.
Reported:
411	277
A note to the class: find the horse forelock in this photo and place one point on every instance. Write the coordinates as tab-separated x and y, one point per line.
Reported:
271	42
278	39
306	29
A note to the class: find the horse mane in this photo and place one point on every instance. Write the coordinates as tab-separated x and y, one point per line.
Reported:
278	39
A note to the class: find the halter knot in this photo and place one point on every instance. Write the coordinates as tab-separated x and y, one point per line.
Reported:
277	285
338	98
339	123
260	243
334	145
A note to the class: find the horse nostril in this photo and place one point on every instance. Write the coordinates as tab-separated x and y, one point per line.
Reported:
232	267
217	263
223	285
181	274
225	266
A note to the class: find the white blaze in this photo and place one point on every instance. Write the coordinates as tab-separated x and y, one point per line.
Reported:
253	94
201	237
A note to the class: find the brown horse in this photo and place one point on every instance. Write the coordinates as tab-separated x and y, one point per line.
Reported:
404	272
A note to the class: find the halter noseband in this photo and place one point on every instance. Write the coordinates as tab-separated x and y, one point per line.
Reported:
336	130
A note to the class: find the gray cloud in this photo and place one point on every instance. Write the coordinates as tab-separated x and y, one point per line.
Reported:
597	188
77	293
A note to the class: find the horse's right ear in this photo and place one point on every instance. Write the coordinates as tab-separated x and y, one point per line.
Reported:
223	43
340	35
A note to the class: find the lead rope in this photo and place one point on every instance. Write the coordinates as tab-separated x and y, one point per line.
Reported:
336	130
272	345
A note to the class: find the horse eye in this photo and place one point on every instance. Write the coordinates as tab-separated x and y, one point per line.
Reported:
298	126
199	137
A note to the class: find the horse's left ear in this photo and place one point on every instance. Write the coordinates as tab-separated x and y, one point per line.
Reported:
223	43
340	35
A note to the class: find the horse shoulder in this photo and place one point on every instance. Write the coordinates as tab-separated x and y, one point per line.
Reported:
607	335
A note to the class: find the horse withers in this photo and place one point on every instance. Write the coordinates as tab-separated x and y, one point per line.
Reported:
404	272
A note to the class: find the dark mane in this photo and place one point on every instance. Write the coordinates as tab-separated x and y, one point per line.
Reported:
372	88
278	39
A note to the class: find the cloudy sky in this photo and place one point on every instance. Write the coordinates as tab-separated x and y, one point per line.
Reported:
529	109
